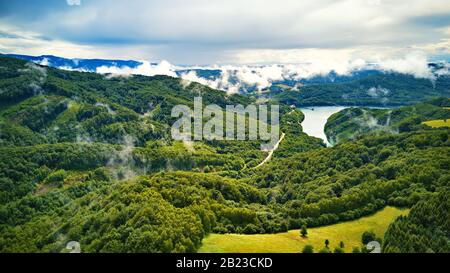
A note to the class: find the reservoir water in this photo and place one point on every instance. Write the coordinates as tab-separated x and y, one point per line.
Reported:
316	118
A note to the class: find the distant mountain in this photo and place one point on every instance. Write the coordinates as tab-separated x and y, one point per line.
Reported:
390	89
207	73
89	65
298	85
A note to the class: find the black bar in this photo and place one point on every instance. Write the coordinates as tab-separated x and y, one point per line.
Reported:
218	262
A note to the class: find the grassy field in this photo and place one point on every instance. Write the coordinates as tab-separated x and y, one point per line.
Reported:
291	241
438	123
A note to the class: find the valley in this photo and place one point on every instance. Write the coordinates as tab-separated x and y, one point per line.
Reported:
89	158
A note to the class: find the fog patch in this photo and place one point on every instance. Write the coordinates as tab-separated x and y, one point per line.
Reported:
414	63
122	162
38	75
120	76
146	69
369	121
224	82
108	108
82	137
376	92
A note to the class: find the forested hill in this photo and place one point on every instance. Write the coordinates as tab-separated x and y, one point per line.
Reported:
382	89
426	229
87	157
352	123
370	86
66	106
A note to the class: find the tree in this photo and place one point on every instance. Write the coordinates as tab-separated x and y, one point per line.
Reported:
324	250
327	243
379	240
308	249
367	237
356	250
304	231
338	250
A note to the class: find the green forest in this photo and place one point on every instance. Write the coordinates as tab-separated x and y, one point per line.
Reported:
391	89
89	158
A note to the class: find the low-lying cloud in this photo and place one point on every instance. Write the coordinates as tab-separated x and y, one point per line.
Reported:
241	78
376	92
146	69
415	64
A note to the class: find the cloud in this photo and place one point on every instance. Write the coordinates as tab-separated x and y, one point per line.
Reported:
415	64
444	70
261	77
73	2
377	91
241	78
323	67
31	43
108	108
205	32
223	82
38	77
146	69
44	62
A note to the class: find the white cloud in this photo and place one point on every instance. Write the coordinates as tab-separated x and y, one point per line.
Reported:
415	64
73	2
249	77
377	91
253	65
235	78
108	108
221	83
261	77
72	69
146	69
192	76
204	31
444	71
31	43
44	61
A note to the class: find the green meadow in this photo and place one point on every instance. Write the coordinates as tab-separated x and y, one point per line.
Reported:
438	123
290	242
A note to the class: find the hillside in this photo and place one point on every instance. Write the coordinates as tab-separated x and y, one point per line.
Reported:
368	86
89	158
381	89
352	123
426	229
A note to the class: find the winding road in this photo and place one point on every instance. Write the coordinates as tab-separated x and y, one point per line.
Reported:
269	156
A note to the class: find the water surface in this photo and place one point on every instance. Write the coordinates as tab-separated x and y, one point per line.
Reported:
316	118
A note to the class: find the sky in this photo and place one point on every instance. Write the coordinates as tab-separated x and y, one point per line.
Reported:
206	32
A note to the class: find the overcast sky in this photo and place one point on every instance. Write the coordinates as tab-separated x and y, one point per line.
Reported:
227	31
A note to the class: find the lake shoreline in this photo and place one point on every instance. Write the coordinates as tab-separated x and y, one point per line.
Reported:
316	118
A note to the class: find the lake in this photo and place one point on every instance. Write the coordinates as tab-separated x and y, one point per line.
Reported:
316	118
